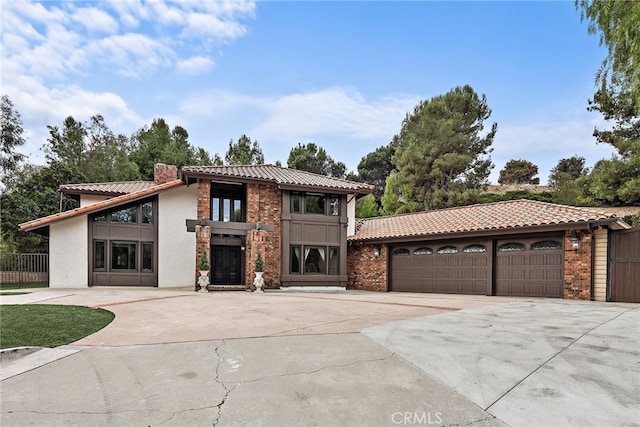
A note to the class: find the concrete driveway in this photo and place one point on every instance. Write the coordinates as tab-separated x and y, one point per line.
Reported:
287	358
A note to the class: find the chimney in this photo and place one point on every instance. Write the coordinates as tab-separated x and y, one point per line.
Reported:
164	173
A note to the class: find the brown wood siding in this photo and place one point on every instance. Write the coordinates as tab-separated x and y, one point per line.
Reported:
528	272
600	265
459	273
624	267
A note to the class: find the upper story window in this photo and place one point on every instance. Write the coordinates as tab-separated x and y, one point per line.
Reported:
133	214
227	203
315	203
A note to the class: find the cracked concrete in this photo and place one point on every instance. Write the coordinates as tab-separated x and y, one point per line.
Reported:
175	358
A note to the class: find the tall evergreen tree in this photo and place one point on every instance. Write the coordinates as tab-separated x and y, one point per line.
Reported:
442	156
244	152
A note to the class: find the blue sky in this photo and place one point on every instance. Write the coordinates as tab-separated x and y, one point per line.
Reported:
341	74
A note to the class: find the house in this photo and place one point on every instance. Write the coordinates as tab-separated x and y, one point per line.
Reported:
304	226
515	248
152	233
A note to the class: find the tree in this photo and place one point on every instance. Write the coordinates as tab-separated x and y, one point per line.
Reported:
519	172
160	144
618	22
311	158
35	196
92	150
570	168
367	207
442	153
616	180
375	167
244	152
12	138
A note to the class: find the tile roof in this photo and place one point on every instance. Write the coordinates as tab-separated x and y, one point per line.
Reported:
119	200
280	176
514	214
107	188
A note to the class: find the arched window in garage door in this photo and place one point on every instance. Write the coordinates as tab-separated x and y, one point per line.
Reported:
474	249
423	251
511	247
401	252
546	245
448	250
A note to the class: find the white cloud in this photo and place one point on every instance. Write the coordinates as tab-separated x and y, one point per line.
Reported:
96	20
337	111
195	65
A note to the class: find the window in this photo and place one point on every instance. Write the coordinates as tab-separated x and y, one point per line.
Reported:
295	203
147	257
475	249
334	260
448	250
314	260
511	247
295	260
99	255
334	205
126	215
423	251
147	213
401	252
546	245
237	210
123	255
314	203
227	203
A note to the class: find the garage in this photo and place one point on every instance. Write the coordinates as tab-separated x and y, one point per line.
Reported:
444	267
530	267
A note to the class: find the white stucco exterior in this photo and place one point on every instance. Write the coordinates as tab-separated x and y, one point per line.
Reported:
68	253
90	199
176	246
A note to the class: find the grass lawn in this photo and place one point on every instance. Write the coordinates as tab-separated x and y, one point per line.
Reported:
21	285
44	325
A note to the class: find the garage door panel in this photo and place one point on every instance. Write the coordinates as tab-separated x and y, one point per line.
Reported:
450	271
530	267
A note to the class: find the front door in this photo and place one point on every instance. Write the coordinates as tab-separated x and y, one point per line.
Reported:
226	265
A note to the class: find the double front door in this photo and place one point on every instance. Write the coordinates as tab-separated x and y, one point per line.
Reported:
226	265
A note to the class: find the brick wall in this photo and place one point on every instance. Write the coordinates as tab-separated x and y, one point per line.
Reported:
164	173
264	205
203	234
366	271
577	266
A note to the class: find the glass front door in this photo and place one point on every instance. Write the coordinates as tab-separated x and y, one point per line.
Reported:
226	265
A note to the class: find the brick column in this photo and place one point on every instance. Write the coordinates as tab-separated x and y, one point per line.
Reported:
366	271
203	245
577	266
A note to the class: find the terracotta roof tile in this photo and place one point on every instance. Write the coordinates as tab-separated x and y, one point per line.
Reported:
145	192
493	216
280	176
107	188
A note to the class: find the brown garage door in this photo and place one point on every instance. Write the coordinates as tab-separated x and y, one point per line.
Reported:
530	267
449	267
625	265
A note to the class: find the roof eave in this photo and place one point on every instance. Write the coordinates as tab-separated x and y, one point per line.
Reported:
614	223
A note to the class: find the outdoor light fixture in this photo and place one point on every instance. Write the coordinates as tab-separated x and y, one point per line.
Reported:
575	242
376	251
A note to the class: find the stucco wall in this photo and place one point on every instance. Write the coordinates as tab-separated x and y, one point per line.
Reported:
68	257
90	199
176	263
